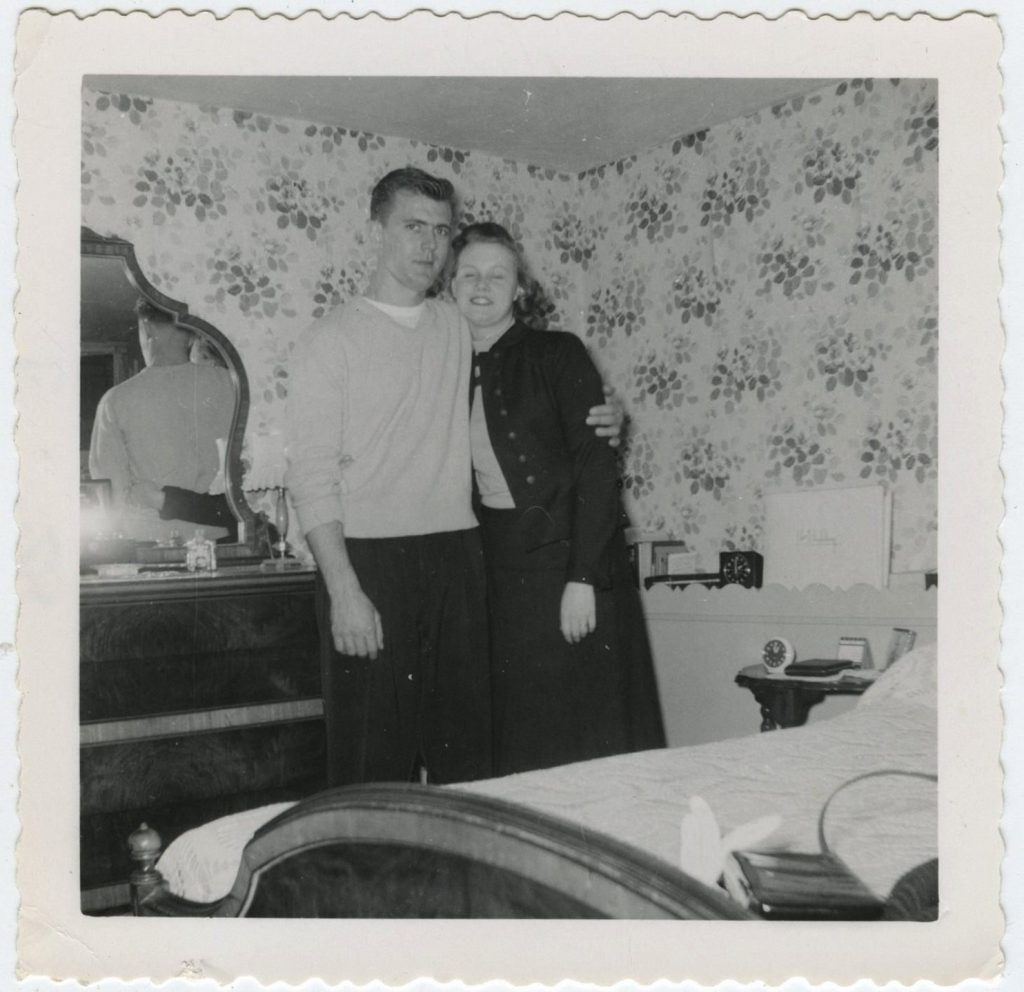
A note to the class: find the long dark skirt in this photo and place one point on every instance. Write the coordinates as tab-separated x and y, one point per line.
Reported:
556	702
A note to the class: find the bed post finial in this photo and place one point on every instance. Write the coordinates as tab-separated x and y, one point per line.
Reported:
144	848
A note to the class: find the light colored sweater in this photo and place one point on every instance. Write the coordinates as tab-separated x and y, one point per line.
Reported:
378	423
490	480
161	426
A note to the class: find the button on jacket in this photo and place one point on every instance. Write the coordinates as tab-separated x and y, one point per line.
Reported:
537	388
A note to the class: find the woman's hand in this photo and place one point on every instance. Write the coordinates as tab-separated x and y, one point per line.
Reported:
579	611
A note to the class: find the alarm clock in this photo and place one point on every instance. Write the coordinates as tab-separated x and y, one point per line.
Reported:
742	568
778	655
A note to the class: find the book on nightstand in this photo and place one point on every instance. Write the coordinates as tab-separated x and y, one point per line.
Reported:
817	668
789	885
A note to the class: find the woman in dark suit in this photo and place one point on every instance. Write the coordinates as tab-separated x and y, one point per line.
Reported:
572	670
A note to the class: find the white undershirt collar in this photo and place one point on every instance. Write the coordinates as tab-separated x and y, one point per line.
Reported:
406	316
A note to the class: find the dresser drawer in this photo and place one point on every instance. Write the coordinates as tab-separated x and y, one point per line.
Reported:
197	697
147	658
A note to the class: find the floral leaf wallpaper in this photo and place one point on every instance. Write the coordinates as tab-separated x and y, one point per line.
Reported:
762	293
790	297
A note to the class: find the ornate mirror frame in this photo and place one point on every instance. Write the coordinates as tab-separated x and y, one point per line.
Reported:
97	246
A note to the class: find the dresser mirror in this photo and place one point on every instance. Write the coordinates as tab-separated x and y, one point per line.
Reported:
170	438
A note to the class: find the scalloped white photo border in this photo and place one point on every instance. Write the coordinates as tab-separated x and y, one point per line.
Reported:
53	53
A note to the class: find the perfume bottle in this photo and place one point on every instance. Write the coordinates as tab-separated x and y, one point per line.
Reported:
200	554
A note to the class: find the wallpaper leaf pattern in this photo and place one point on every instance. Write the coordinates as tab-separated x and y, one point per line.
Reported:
801	275
762	293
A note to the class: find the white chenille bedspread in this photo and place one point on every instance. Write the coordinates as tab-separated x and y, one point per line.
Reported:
881	827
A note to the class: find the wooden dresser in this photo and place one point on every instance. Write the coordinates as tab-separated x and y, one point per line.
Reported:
198	696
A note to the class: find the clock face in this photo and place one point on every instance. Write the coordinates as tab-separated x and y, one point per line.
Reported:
737	569
777	654
742	568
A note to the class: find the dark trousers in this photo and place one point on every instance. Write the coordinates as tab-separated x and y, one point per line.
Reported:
426	699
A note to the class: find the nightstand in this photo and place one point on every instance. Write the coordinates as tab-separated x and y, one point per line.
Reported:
785	702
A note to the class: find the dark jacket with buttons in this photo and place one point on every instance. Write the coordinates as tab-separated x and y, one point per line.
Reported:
537	388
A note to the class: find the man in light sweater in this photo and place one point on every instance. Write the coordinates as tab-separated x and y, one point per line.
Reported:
380	477
157	433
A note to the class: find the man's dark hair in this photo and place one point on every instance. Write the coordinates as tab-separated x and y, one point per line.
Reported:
152	314
409	180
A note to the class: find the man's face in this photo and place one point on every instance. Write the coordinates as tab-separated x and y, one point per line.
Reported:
412	246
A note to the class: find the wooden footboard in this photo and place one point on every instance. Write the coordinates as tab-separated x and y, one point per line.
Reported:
391	851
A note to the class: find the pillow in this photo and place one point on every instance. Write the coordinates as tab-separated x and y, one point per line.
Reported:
202	863
910	679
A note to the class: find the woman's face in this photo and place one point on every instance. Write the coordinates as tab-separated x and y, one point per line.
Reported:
485	284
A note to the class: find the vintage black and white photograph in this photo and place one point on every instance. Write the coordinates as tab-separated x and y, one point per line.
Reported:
520	497
427	282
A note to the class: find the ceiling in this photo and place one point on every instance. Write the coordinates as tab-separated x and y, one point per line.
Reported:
568	124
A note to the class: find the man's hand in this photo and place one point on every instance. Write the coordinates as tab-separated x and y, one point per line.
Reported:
355	624
608	418
579	611
356	628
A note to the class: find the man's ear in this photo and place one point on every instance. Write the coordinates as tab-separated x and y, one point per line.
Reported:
375	234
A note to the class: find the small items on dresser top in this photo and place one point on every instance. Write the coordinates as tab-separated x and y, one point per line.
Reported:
117	570
200	554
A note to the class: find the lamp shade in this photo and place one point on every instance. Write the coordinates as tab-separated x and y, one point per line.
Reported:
266	457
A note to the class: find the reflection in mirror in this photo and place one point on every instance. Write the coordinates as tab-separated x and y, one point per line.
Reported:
163	407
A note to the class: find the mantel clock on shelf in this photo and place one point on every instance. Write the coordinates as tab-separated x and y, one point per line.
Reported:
742	568
735	568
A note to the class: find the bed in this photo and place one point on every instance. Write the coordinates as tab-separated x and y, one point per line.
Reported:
612	825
